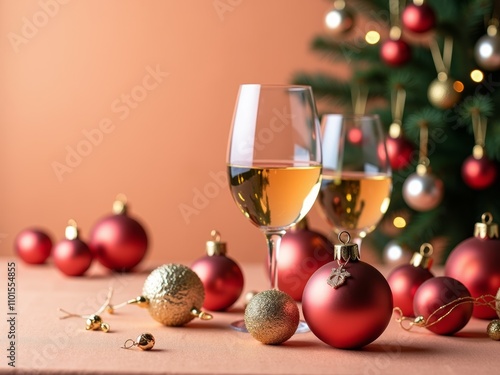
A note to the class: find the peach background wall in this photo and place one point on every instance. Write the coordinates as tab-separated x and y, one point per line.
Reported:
153	83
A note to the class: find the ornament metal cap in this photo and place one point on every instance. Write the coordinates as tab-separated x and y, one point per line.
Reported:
120	205
215	246
487	229
346	250
423	258
71	231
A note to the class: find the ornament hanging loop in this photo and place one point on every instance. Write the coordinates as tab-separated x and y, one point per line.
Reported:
129	344
479	124
487	228
442	62
426	249
398	99
359	97
346	250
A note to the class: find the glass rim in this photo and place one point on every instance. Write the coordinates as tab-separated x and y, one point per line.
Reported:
352	116
277	85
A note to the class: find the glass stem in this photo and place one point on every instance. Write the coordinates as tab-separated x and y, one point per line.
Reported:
273	247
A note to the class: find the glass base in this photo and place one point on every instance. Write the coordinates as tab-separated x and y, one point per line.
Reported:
239	325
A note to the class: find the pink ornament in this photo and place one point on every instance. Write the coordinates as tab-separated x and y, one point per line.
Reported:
404	280
72	256
221	276
119	242
441	291
33	246
347	303
302	252
476	263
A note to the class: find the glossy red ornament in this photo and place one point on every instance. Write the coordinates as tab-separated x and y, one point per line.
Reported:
33	246
347	303
72	256
302	252
479	173
395	52
119	242
476	263
418	18
405	279
221	276
400	152
437	292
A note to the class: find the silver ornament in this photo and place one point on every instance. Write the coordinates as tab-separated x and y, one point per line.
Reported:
272	317
340	19
175	294
423	192
487	50
394	254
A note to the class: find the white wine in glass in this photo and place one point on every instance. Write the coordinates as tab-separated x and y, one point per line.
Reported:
356	182
274	161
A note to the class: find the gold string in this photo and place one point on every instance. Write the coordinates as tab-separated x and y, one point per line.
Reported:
359	96
442	62
398	99
479	128
424	139
407	323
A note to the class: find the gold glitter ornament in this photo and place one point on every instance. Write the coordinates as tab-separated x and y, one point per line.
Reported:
175	295
494	329
272	317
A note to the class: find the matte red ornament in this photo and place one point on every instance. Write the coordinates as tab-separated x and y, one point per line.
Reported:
33	245
418	18
405	279
302	252
347	303
400	152
119	242
72	256
437	292
476	263
395	52
479	173
221	276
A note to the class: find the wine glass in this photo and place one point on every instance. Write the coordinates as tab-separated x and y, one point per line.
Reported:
274	161
356	179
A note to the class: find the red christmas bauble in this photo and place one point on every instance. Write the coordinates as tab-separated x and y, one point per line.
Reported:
72	257
352	315
437	292
119	242
476	263
418	18
404	282
479	173
400	152
221	276
302	252
33	246
395	52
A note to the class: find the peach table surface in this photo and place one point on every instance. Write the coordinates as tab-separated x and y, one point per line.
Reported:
46	344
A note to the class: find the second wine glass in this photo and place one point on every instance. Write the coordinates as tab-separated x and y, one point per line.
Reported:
356	179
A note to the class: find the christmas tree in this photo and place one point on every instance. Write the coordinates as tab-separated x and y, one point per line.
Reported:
431	72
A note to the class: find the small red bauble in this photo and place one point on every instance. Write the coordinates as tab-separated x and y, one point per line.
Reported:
400	152
221	276
302	252
437	292
476	263
418	18
33	246
347	304
72	256
479	173
404	280
119	242
395	52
